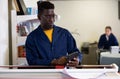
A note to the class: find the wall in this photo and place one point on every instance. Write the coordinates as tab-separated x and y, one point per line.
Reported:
4	54
87	18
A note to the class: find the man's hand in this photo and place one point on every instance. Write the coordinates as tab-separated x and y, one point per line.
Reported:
73	63
61	61
54	62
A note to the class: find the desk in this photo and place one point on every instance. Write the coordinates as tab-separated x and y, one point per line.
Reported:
108	58
34	74
6	73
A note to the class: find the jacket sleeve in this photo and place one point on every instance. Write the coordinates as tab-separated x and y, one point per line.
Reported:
115	41
71	46
32	55
100	43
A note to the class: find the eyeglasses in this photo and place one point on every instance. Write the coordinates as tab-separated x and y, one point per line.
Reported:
50	16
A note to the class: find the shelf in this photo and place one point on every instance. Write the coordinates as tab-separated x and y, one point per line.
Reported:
22	18
21	40
22	61
22	25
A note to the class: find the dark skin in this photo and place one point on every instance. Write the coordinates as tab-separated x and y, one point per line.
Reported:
47	19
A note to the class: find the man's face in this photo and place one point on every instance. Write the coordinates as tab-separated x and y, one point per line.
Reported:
108	32
47	18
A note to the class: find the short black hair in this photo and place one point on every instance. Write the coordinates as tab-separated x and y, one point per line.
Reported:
108	27
44	5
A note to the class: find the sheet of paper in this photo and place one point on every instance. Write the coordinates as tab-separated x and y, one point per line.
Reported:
109	76
92	73
82	75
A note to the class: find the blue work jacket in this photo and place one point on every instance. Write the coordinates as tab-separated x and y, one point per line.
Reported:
105	44
40	51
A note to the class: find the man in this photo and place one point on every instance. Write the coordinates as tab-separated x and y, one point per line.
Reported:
50	44
108	39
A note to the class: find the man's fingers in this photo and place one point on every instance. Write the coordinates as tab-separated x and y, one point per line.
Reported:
62	60
75	59
54	62
74	63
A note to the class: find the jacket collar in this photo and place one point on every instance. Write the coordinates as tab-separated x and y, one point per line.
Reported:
44	37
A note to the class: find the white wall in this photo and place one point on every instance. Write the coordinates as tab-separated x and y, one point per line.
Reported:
87	17
4	54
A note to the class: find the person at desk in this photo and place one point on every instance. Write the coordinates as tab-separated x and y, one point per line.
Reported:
50	44
108	39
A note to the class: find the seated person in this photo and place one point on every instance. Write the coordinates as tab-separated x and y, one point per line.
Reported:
107	40
50	44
